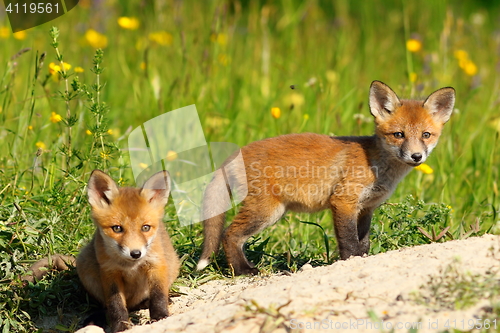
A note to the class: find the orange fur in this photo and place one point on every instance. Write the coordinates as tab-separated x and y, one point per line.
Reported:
311	172
130	263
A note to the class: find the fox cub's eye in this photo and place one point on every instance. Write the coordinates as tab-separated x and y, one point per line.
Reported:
146	228
399	135
117	228
426	135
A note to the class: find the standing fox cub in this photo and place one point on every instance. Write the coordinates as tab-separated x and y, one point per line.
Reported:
309	172
130	263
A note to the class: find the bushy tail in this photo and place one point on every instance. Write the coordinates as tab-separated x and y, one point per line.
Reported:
216	202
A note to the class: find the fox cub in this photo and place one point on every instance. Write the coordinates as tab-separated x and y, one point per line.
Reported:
308	172
130	263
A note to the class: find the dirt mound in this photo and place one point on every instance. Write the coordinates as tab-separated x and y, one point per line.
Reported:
359	295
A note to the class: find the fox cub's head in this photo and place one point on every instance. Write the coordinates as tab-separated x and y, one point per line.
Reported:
410	129
128	218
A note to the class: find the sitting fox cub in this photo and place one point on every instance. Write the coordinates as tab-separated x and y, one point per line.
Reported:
309	172
130	263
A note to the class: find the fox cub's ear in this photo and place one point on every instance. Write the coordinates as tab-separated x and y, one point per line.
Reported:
101	189
157	188
440	103
383	101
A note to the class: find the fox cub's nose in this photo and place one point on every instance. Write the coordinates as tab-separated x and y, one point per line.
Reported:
136	254
417	157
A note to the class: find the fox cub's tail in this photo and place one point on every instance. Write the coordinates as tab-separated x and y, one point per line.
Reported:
215	203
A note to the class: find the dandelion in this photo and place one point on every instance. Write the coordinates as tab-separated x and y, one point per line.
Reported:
171	156
161	38
464	62
413	45
129	23
470	68
276	112
461	54
20	35
88	132
55	117
40	145
424	168
79	69
413	77
220	39
96	39
4	32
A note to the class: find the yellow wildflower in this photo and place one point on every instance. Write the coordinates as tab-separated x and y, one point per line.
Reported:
464	62
110	131
413	77
55	118
161	38
143	65
129	23
4	32
88	132
495	123
424	168
461	54
79	69
470	68
20	35
295	98
413	45
220	39
306	116
40	145
30	127
276	112
171	156
104	155
332	76
96	39
55	69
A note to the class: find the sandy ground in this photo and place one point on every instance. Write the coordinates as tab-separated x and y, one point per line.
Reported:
336	298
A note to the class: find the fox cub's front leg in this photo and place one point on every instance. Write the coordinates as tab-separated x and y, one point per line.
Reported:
158	294
116	309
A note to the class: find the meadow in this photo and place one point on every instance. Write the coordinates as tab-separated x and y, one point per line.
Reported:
72	89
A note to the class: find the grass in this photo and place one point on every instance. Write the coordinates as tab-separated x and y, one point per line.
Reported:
236	61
